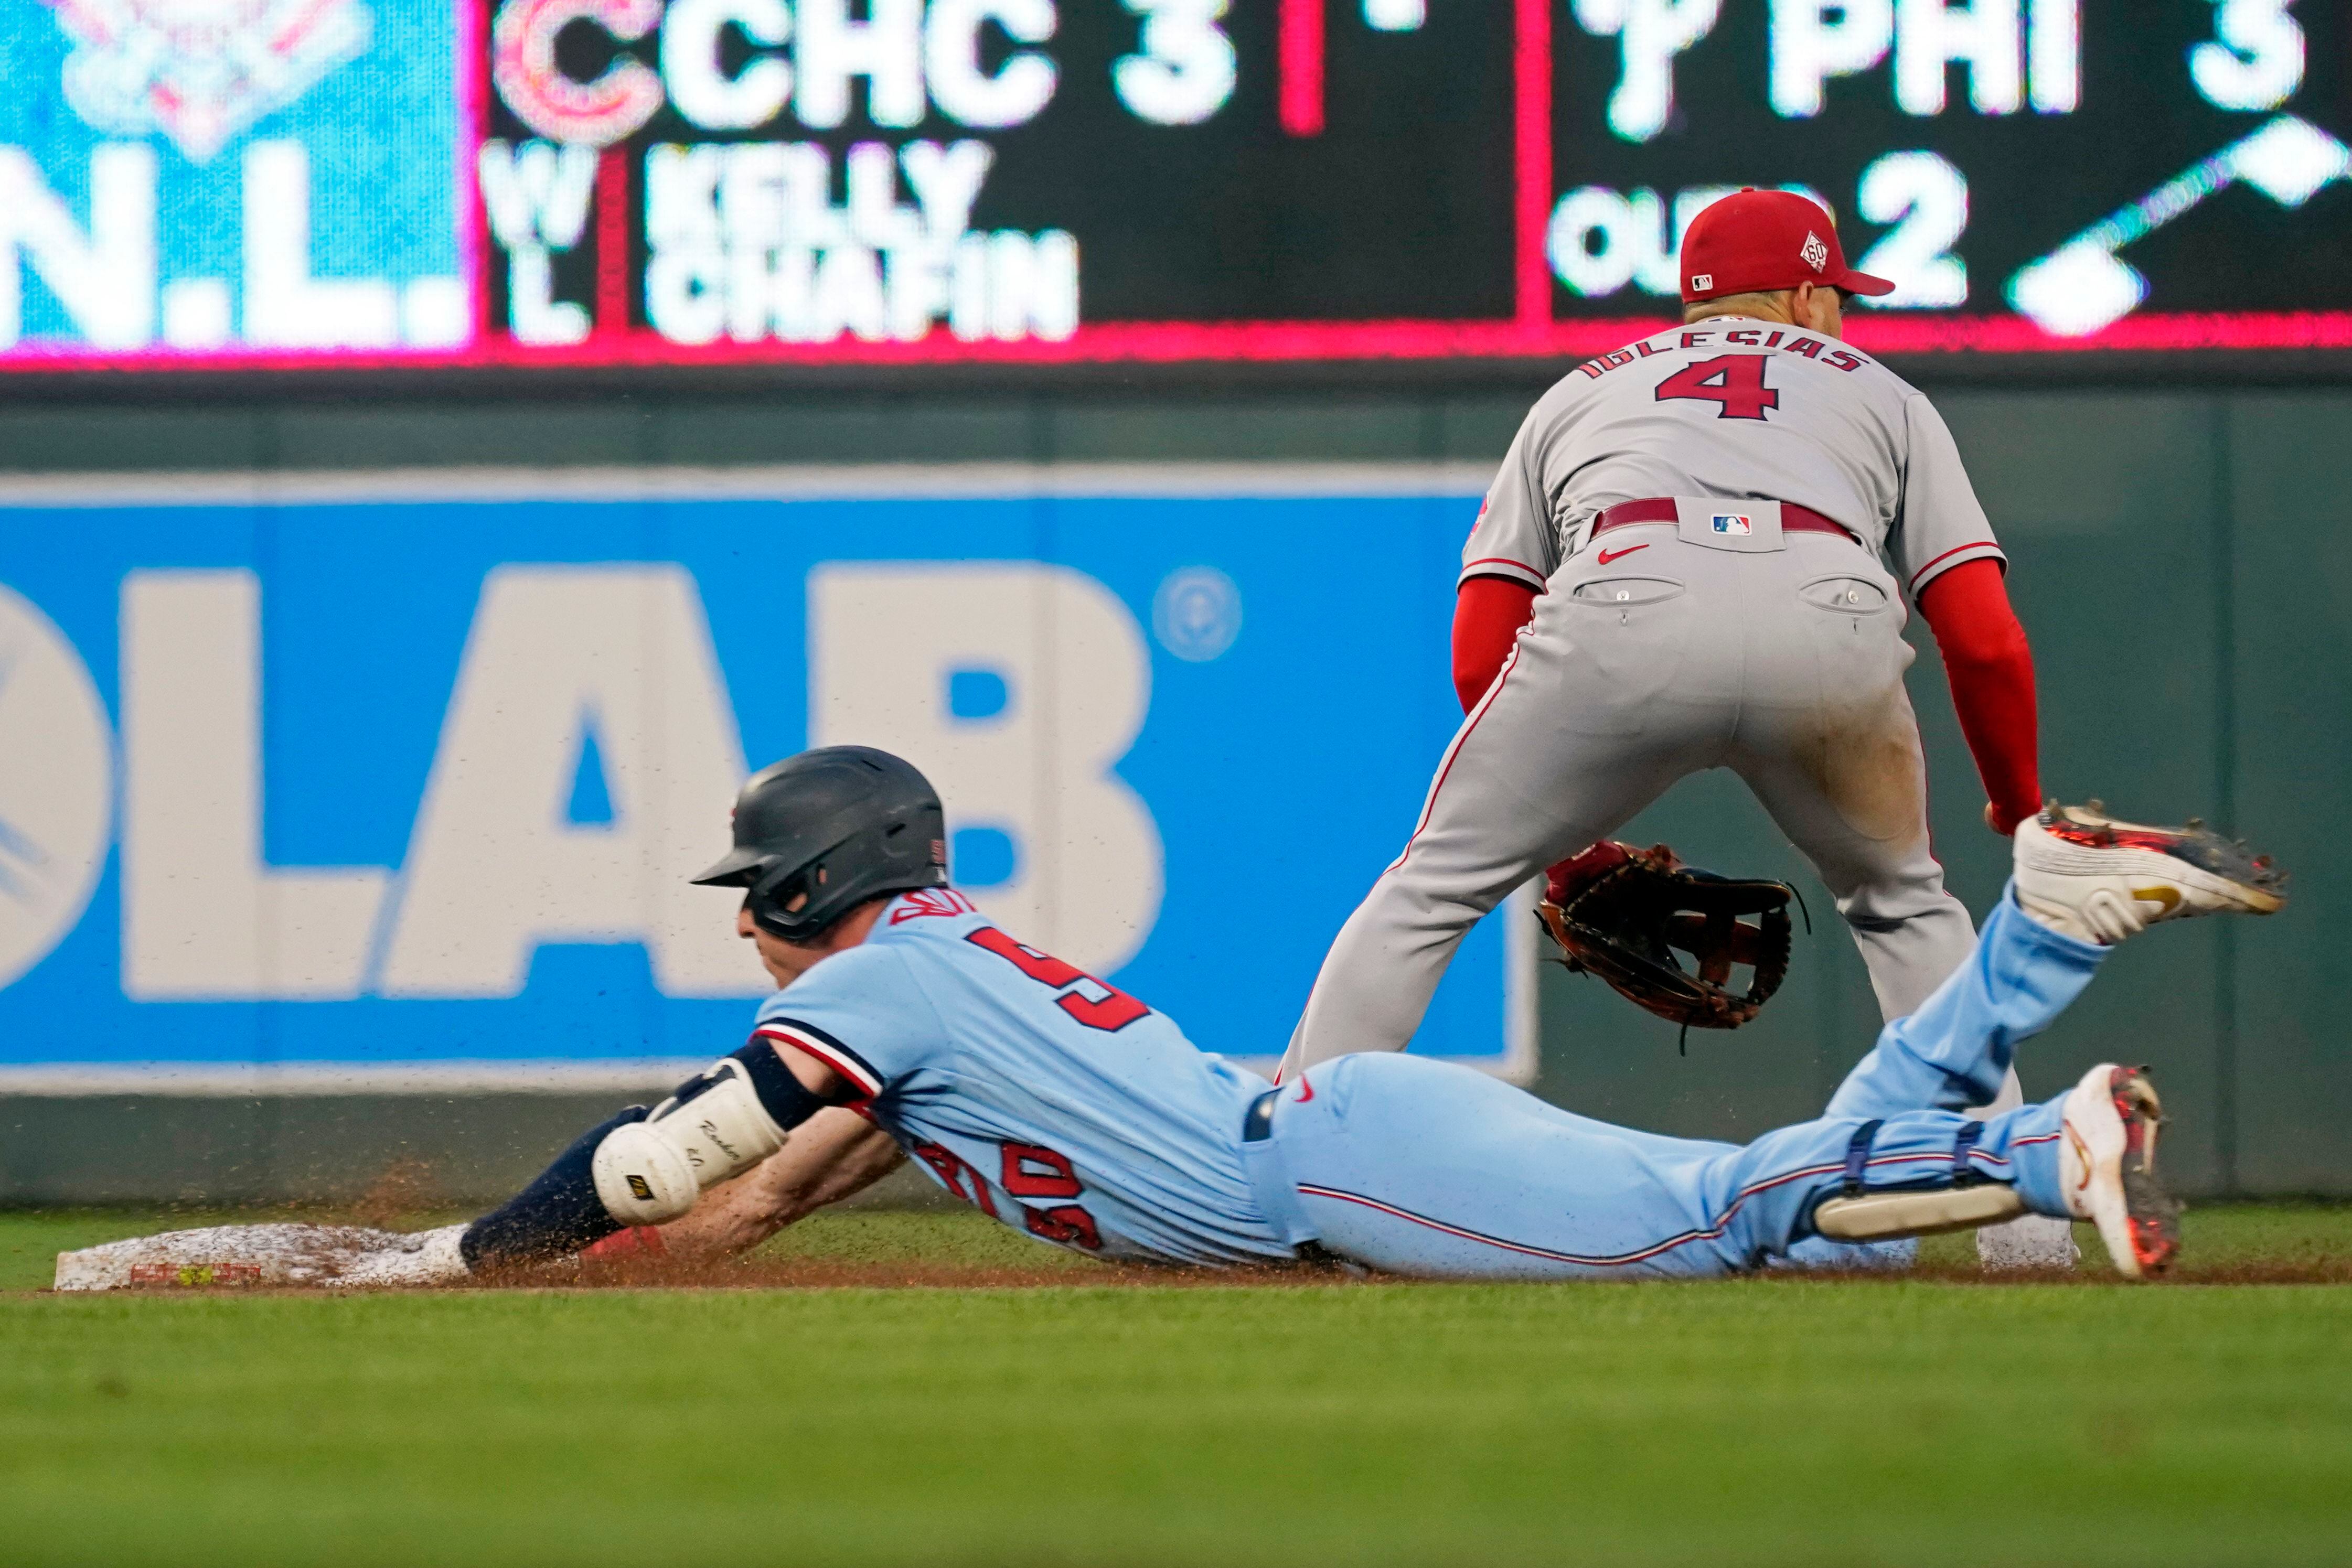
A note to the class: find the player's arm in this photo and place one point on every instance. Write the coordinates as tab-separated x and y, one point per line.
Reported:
1991	667
650	1168
1488	614
1944	549
837	1154
1513	548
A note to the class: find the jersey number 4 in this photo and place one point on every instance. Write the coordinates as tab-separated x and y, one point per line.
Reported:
1734	383
1083	998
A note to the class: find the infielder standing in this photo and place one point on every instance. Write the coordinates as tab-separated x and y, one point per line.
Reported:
1684	565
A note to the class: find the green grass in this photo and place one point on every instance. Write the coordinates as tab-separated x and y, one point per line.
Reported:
1766	1421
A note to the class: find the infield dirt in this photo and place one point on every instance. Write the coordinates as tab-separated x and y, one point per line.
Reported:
2241	1244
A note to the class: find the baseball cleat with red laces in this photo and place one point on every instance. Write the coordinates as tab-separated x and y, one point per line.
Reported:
2093	877
2108	1163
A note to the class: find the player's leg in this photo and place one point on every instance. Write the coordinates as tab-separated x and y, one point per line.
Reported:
2031	1240
2026	1242
2081	882
1956	1050
1419	1168
1831	748
1427	1168
1424	1168
1585	726
2087	1154
1849	787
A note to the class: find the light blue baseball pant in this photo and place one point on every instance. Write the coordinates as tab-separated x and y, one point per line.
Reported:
1413	1166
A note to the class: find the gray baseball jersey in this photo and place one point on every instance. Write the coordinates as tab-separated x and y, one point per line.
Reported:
1743	410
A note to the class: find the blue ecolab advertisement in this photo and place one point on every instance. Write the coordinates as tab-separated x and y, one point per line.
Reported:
391	783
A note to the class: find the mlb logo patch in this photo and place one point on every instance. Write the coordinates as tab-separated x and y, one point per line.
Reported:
1732	523
1701	281
1815	252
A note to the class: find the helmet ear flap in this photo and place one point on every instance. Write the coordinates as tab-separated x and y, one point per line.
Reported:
783	899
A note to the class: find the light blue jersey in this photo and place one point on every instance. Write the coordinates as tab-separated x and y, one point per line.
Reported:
1033	1091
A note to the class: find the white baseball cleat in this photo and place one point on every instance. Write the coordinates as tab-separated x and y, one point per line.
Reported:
2107	1163
2091	877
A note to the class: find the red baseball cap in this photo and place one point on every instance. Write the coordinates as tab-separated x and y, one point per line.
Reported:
1757	241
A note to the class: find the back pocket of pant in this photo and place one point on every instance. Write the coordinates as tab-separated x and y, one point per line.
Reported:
1629	592
1625	641
1846	596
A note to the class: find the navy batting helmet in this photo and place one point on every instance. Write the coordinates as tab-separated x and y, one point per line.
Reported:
818	834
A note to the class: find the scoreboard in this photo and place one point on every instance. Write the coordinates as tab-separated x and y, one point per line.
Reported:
281	184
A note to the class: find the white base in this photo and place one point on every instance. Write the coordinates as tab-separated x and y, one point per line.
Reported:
281	1256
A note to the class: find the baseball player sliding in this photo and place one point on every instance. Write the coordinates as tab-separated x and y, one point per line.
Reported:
905	1022
1684	565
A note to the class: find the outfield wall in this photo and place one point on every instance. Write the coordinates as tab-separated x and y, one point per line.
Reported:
2181	562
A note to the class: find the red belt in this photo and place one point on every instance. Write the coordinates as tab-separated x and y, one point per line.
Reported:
1794	518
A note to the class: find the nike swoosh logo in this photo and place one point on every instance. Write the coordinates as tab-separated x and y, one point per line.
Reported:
2168	896
1608	555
